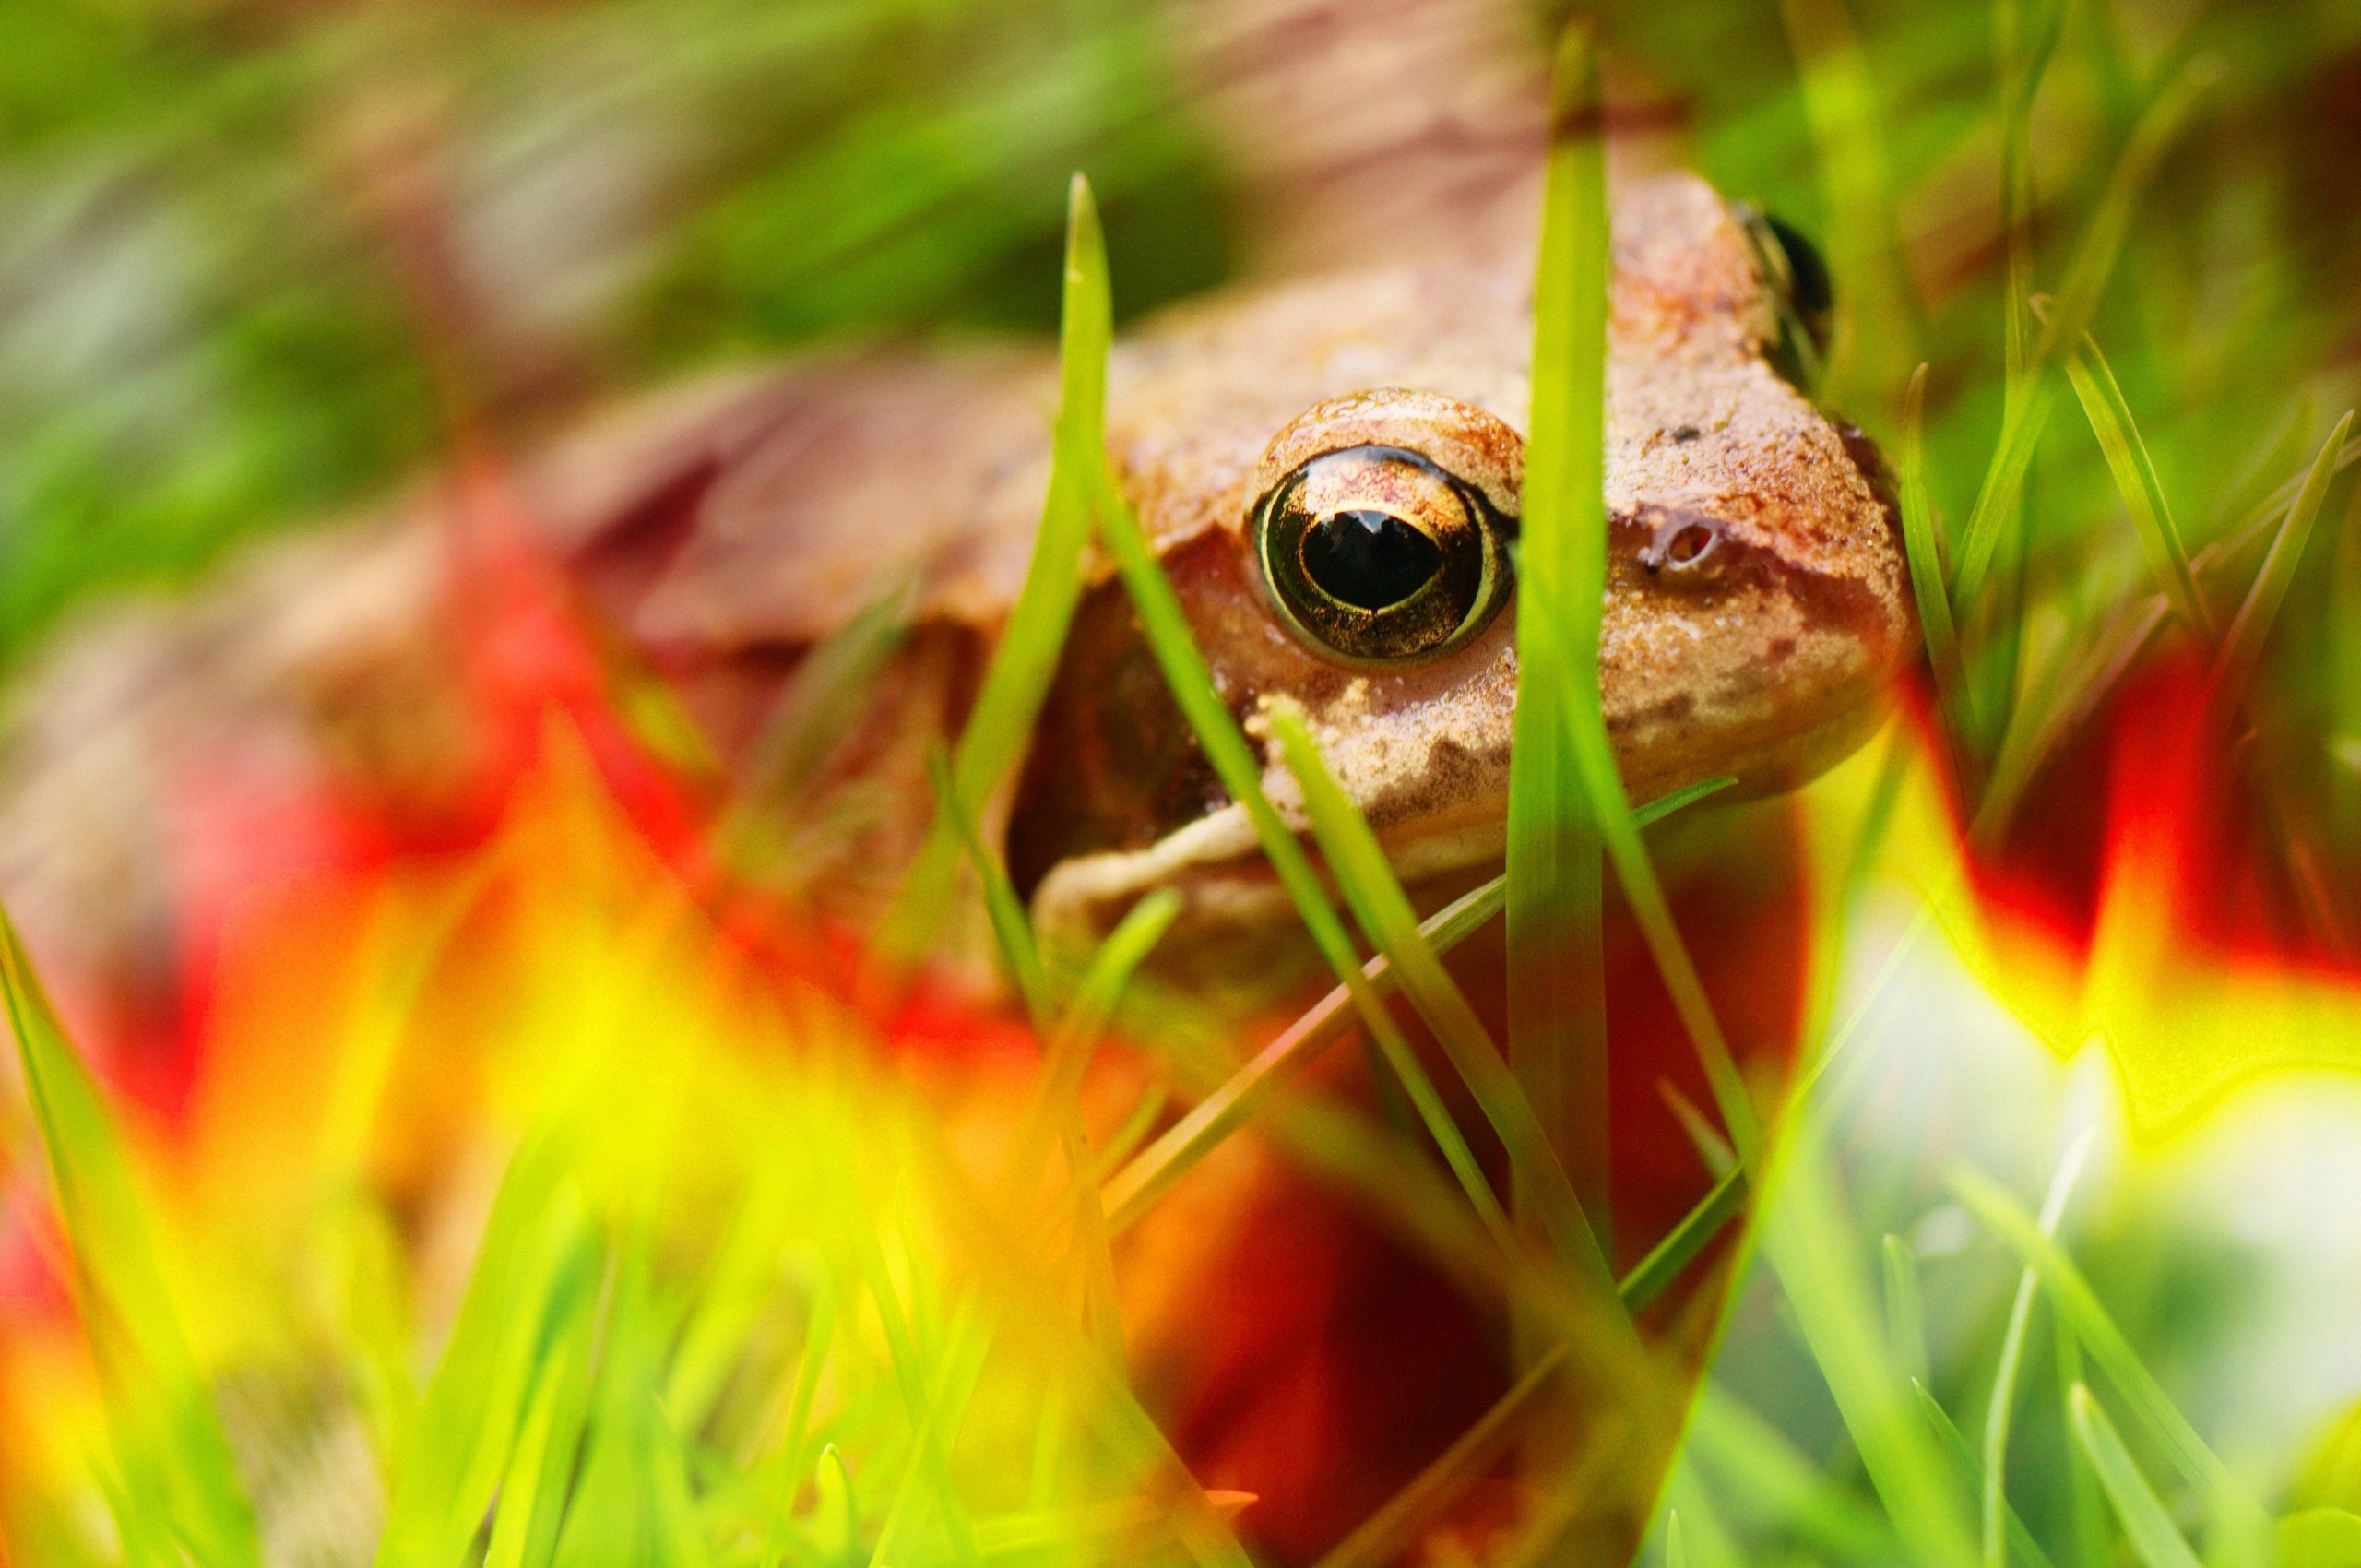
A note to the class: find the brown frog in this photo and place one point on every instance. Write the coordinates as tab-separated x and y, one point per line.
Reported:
1330	473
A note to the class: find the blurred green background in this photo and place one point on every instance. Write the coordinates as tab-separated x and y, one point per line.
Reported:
239	240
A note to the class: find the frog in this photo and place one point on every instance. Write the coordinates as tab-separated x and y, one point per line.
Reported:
1329	467
1330	471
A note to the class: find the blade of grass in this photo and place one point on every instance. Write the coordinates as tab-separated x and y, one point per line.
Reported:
962	1363
520	1487
787	1470
1874	331
1107	1402
1140	1183
2089	1503
2067	703
1035	1530
1359	864
534	1250
1562	567
1809	1241
179	1492
2320	1537
1556	969
1594	754
2144	1519
1166	627
1703	1535
2018	75
1017	679
1905	1320
1954	1443
2135	478
1384	1536
825	699
1121	1144
1079	1033
1753	1458
2004	1381
1952	693
1714	1149
2078	1305
2086	280
1684	1241
2242	644
1010	927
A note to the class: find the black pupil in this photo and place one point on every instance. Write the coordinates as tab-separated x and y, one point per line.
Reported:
1369	559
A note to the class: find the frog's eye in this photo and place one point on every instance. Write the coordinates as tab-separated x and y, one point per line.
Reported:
1791	266
1375	554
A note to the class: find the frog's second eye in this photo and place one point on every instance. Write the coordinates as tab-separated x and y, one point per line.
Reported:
1375	554
1797	277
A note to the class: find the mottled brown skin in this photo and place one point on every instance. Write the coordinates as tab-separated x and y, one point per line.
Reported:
1765	658
731	527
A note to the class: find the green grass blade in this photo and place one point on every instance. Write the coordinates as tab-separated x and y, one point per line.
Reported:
2088	1502
1024	661
2021	1540
787	1468
1010	926
2004	479
467	1418
1999	1213
1927	584
2017	72
1556	970
1712	1149
1594	756
1684	1241
1126	1140
1137	1186
1068	1050
2158	128
825	698
925	1479
179	1492
1562	567
1809	1240
1166	627
1126	947
1753	1457
1874	336
2078	298
2151	1530
2242	645
1995	1466
2320	1537
1663	806
1386	1534
1384	911
520	1489
1676	1548
1905	1319
2135	478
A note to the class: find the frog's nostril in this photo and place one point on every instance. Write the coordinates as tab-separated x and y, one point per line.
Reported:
1681	541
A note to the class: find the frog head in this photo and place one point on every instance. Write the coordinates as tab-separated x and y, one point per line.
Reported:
1332	475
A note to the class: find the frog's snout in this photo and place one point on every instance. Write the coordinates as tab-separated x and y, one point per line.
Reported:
1682	543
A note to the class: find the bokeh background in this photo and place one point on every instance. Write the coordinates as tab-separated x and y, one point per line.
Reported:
264	265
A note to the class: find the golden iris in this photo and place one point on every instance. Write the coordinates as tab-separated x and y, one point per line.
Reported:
1375	554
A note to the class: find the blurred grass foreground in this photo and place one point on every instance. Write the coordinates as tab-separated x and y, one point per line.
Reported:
534	1182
